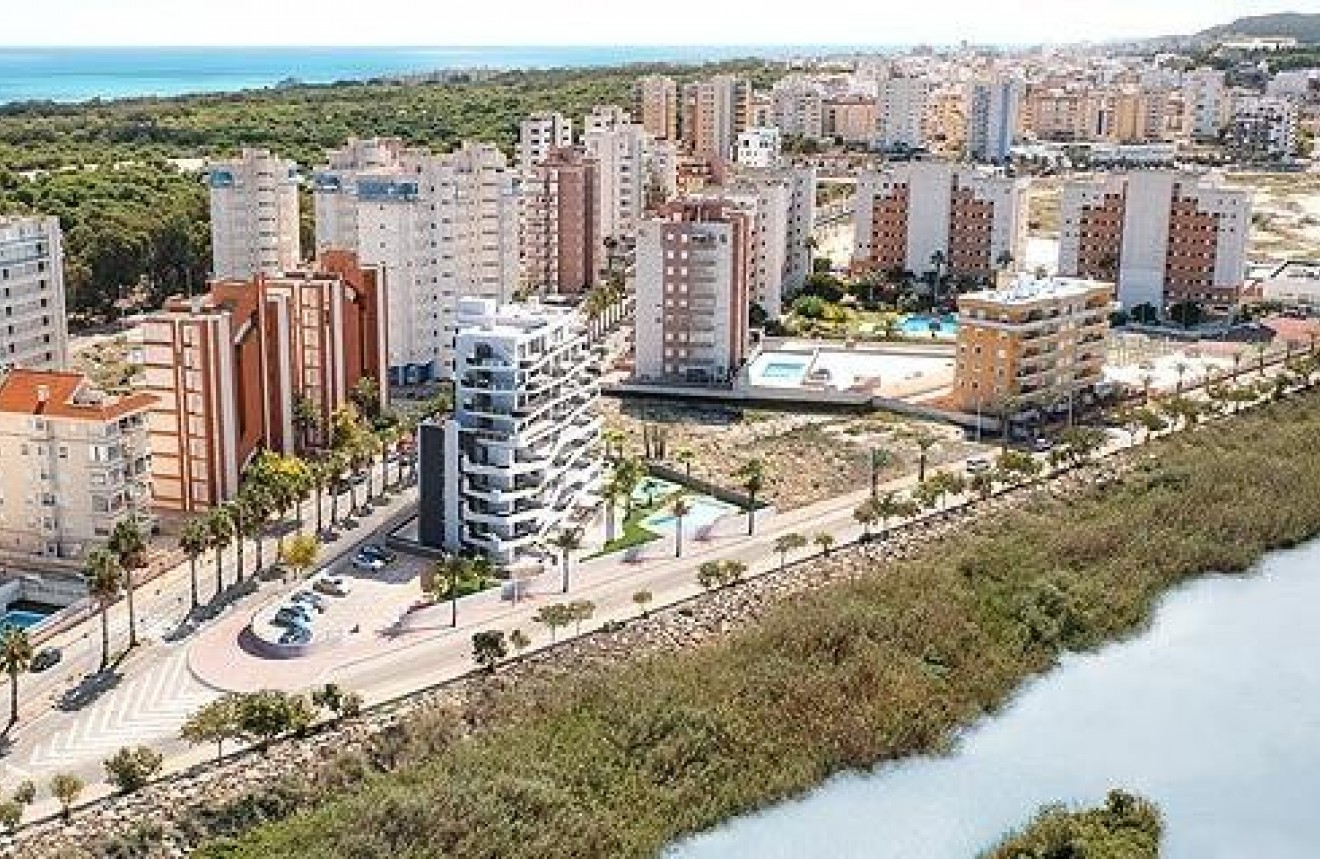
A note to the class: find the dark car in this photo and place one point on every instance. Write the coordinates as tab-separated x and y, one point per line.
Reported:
374	550
46	658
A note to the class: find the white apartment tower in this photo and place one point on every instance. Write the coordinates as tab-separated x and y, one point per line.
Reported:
34	330
1165	237
633	166
901	112
539	135
784	203
1207	103
255	227
797	108
993	111
971	220
694	292
441	226
520	457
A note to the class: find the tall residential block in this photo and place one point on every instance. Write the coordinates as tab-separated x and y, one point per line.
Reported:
1165	237
850	117
1264	128
255	227
714	112
520	457
784	203
655	104
1034	342
635	169
693	292
227	369
993	111
539	135
1207	102
797	108
917	214
560	235
441	227
34	328
901	113
76	464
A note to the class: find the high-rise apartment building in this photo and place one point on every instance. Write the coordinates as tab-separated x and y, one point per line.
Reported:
758	147
783	200
1035	342
993	114
1264	128
560	235
1207	102
76	464
1164	237
34	328
714	112
797	108
655	104
539	135
850	117
606	117
441	227
520	456
693	291
901	113
227	369
255	226
634	168
920	216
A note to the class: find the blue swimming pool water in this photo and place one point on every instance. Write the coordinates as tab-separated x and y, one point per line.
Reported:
21	619
944	326
783	370
703	512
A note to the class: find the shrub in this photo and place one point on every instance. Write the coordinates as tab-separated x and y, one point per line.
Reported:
131	768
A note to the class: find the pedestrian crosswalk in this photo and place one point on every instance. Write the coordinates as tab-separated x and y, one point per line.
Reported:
145	709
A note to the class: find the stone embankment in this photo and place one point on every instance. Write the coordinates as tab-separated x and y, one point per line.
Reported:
167	817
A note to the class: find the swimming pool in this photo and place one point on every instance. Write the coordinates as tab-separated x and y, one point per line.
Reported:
923	324
652	489
779	369
704	511
21	619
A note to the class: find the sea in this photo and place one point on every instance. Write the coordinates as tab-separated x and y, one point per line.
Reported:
84	74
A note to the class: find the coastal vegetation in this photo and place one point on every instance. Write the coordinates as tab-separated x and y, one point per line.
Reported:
1125	827
621	761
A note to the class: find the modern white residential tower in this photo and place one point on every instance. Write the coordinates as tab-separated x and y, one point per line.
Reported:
254	215
34	328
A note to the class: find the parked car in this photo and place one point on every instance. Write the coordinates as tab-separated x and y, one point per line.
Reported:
1042	445
978	464
46	658
314	600
335	586
375	550
368	563
296	635
293	615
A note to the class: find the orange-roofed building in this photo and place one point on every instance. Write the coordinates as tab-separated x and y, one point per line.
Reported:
76	460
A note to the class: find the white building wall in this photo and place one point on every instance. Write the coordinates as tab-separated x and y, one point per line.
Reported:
34	325
900	113
540	133
255	226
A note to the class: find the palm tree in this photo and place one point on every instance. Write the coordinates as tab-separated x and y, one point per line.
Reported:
786	543
610	493
825	541
878	459
752	475
104	578
193	540
685	458
924	442
447	576
567	542
220	527
865	515
15	658
679	506
130	548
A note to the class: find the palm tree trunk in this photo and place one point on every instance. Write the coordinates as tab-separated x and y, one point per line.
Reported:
238	543
219	571
453	603
105	636
334	507
13	697
132	613
678	536
320	497
751	513
261	558
565	589
192	582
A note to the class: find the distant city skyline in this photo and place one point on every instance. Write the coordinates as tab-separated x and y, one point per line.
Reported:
598	22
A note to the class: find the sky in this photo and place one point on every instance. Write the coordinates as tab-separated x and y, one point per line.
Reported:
603	22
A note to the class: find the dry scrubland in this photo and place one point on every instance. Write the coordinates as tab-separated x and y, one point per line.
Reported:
617	761
808	458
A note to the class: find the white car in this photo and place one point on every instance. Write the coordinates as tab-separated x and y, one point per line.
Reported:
978	464
335	586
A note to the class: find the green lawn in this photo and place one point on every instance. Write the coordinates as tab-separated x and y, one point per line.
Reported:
632	534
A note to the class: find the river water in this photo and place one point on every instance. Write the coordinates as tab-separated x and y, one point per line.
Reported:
1214	713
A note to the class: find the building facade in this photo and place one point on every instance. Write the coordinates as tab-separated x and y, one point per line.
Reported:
655	104
970	222
993	114
1264	128
1163	236
539	135
1207	103
758	147
255	226
77	464
901	113
560	235
35	331
797	108
1034	342
440	226
520	457
228	369
694	291
714	112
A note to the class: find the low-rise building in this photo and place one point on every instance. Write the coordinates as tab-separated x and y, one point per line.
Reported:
758	147
520	457
227	369
1034	342
77	462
